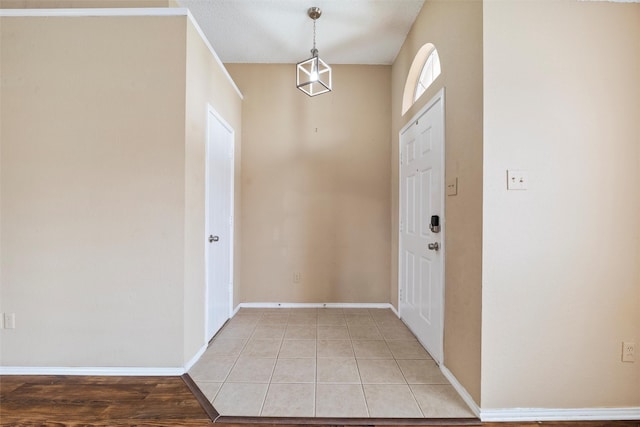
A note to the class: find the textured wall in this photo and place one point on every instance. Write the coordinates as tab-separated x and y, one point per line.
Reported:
561	269
92	175
315	186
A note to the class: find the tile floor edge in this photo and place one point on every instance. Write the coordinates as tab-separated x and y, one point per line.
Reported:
382	305
229	419
201	398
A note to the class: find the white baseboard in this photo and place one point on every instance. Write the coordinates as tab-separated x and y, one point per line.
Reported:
235	311
464	394
544	414
313	305
540	414
91	371
394	310
195	358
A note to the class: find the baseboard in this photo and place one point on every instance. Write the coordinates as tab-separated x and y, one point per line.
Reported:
314	305
544	414
464	394
394	310
91	371
195	358
235	311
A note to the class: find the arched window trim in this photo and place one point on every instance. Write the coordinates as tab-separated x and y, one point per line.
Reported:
415	71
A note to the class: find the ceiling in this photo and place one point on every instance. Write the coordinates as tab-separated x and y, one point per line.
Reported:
279	31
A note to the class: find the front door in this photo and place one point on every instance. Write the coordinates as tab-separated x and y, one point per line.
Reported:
219	223
421	259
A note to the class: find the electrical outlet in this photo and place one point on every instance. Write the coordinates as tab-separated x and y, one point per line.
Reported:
9	320
628	351
296	277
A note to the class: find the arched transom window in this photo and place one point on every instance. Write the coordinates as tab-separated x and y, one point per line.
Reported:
424	70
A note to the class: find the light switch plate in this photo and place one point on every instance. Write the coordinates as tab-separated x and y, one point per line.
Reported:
452	186
517	179
9	320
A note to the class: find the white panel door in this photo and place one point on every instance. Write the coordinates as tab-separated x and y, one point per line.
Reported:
421	255
219	223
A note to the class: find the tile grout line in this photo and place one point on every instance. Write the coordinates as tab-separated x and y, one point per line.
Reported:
264	400
410	389
364	395
236	358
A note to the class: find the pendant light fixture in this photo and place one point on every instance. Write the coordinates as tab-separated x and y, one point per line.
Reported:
313	75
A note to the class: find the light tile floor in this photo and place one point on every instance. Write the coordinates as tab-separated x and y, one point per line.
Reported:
325	362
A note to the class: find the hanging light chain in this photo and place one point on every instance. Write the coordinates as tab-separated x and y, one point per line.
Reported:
314	51
314	13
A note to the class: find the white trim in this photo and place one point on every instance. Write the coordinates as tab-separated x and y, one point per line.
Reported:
540	414
313	305
236	310
394	310
81	12
143	11
464	394
195	358
213	52
96	371
544	414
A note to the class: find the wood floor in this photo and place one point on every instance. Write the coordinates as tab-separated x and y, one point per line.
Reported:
134	401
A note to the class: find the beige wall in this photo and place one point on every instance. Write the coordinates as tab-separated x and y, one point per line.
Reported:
561	286
315	186
92	176
455	28
103	138
207	84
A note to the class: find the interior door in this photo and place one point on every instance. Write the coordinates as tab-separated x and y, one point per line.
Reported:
421	258
219	223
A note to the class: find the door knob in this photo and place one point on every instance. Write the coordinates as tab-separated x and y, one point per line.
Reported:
213	238
433	246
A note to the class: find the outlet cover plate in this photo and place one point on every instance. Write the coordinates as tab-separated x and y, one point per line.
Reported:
628	351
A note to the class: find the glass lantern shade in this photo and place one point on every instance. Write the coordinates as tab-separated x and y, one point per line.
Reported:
313	76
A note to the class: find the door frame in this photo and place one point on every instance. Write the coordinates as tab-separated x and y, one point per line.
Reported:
438	97
207	205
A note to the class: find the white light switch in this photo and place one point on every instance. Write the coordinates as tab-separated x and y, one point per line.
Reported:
517	180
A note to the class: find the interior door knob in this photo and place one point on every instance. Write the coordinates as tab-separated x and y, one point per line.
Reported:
433	246
213	238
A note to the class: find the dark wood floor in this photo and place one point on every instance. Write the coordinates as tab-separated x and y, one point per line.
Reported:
133	401
113	401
